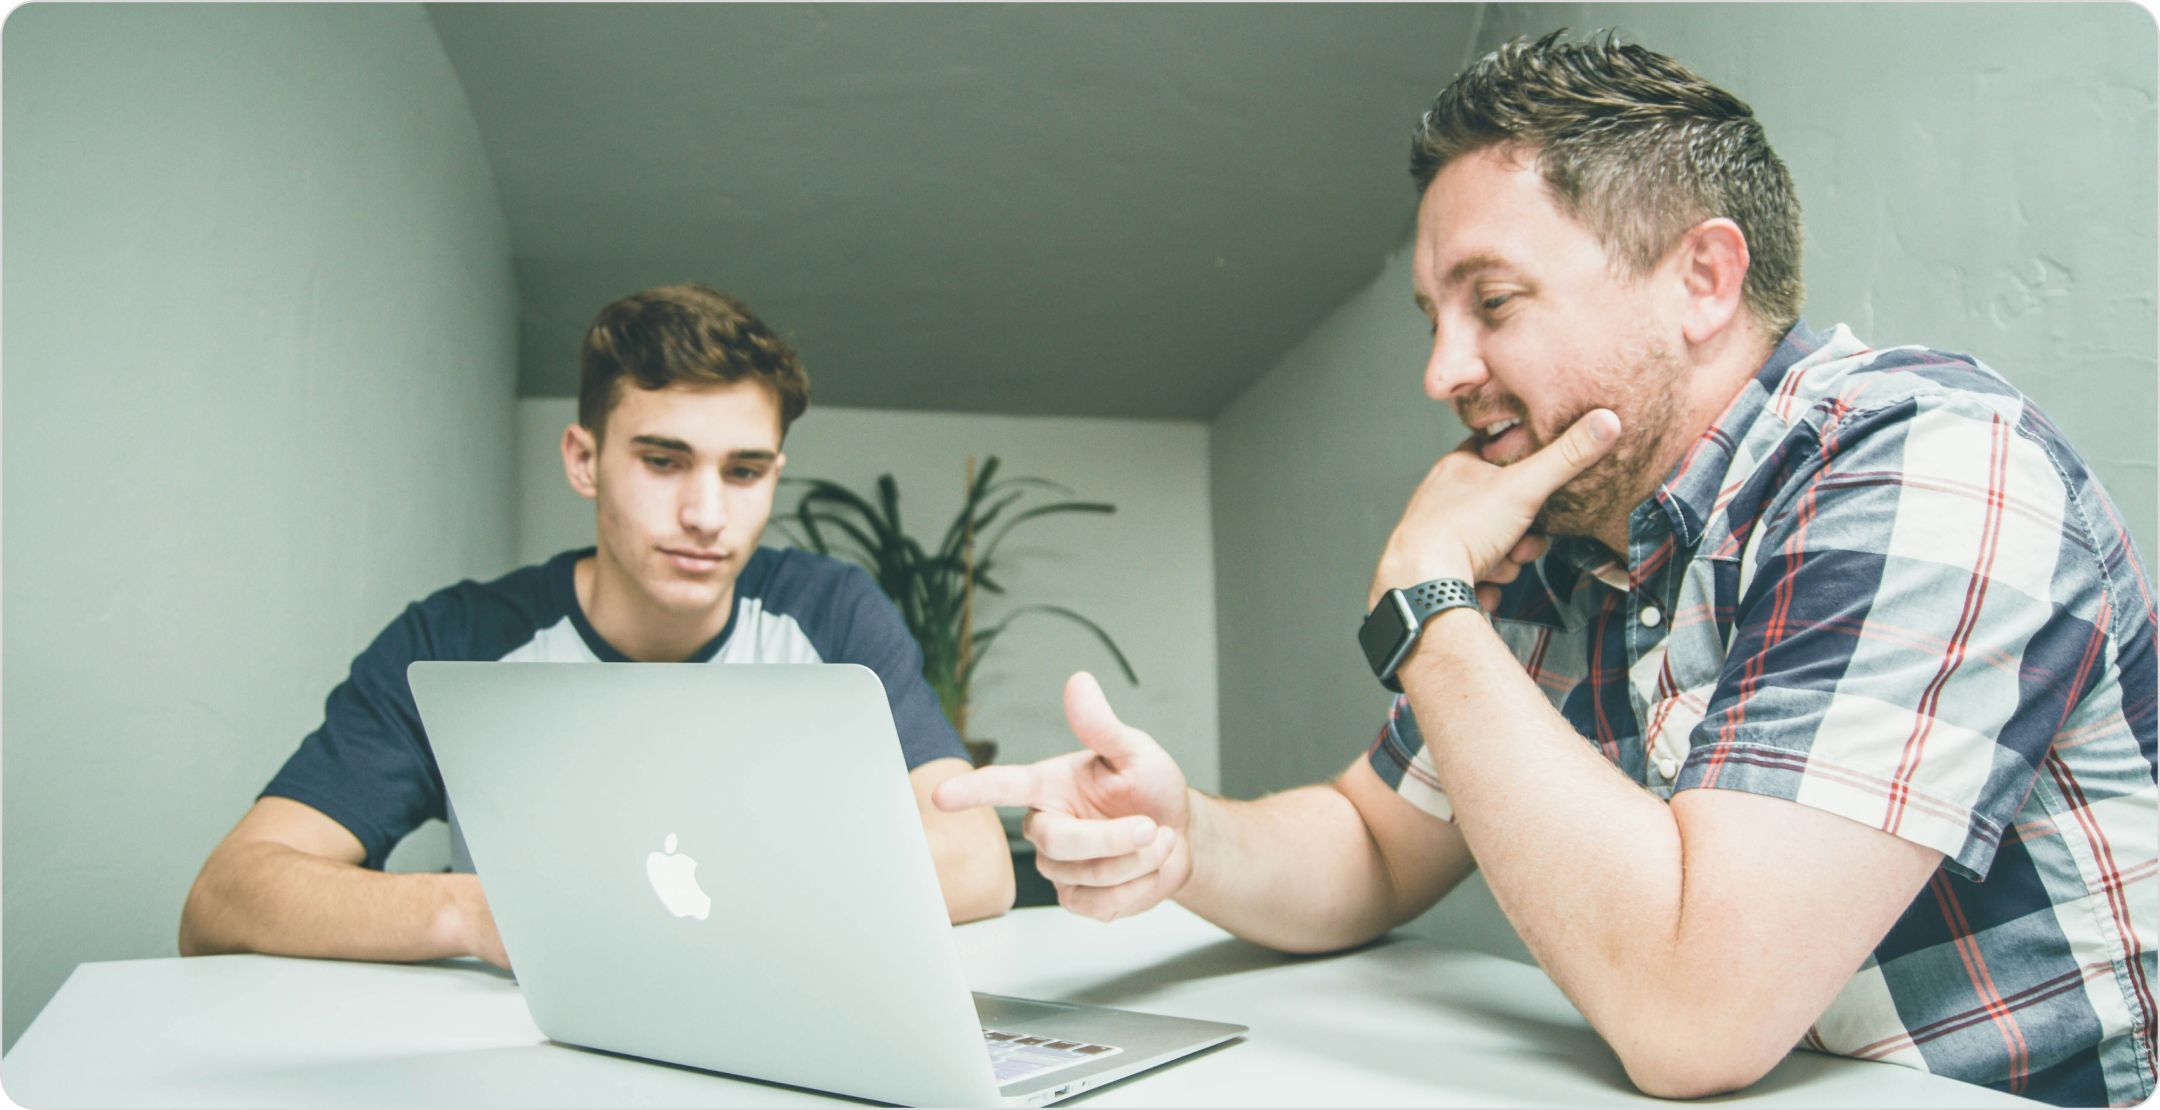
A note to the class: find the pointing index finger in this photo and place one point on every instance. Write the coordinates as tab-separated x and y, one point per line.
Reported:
991	786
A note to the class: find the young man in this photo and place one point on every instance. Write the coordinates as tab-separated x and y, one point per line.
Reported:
684	400
1803	657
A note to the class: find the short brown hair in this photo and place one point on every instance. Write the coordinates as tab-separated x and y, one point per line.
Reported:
684	335
1634	146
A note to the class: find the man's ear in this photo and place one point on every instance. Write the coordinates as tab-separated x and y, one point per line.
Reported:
1713	263
581	460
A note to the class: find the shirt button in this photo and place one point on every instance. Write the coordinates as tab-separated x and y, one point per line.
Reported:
1650	616
1666	766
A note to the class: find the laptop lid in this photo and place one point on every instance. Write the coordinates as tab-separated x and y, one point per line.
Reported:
719	866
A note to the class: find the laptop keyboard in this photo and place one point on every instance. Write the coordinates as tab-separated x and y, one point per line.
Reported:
1018	1056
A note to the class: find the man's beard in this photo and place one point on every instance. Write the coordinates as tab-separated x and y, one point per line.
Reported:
1644	391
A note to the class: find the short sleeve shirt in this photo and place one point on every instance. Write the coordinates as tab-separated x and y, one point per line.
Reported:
1884	586
369	767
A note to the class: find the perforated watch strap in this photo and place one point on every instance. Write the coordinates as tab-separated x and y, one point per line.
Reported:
1438	595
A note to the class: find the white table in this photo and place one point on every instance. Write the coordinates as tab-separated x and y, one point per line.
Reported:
1403	1022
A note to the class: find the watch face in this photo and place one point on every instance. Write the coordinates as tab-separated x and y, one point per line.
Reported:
1385	633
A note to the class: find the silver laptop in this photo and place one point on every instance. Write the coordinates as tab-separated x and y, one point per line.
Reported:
722	866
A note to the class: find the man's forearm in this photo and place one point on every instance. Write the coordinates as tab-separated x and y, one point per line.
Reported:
974	864
1586	864
1295	871
1701	937
268	897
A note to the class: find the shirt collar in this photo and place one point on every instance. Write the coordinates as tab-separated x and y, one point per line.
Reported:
1545	592
1689	494
1573	560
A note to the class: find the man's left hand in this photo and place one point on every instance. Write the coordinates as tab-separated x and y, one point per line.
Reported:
1471	520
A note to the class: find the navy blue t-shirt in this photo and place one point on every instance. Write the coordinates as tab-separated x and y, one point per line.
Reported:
369	766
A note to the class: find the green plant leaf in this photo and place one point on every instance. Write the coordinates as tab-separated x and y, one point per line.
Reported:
1034	483
841	497
1101	636
867	547
794	538
885	551
990	549
812	537
889	496
980	648
956	536
983	478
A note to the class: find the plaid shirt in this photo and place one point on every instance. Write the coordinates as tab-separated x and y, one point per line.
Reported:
1884	586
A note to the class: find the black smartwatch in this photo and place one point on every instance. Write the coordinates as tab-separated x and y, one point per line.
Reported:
1392	628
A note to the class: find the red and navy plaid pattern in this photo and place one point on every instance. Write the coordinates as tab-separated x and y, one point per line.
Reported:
1884	586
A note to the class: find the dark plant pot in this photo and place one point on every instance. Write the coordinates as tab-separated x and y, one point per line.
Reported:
981	752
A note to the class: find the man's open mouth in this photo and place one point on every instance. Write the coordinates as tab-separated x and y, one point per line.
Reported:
1504	440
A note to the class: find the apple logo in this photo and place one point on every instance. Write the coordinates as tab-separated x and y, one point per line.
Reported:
674	878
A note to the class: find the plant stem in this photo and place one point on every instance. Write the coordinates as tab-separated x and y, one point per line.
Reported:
967	604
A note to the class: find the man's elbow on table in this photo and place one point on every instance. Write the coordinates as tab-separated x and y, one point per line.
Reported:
202	911
1324	935
1694	1059
1698	1078
190	940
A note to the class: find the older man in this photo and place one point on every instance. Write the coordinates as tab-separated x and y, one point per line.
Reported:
1815	703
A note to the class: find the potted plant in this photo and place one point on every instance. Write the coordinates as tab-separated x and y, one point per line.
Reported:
935	588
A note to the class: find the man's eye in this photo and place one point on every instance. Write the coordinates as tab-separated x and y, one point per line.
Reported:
659	462
746	473
1494	302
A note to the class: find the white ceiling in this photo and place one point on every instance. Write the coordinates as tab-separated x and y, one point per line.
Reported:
1111	210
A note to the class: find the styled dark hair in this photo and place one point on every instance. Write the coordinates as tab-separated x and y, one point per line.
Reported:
684	335
1632	145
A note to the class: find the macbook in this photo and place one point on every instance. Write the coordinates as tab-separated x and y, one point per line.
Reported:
723	867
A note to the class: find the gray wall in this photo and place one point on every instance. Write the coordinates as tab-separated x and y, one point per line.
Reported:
259	387
1991	193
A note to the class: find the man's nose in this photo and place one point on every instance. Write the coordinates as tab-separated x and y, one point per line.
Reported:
1456	366
704	509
